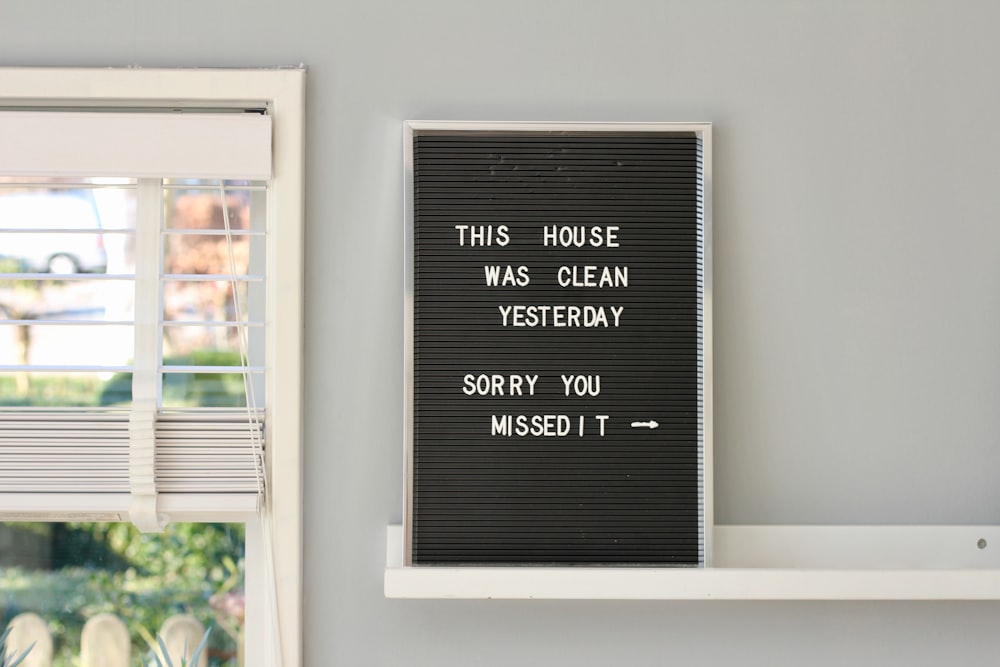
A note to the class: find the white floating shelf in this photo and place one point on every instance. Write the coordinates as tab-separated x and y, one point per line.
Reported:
750	563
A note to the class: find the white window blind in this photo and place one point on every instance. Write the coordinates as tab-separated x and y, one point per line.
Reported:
147	450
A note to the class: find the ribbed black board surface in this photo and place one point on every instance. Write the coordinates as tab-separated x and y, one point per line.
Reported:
631	496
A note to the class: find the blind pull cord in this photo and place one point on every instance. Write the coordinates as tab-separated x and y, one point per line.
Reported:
242	330
264	515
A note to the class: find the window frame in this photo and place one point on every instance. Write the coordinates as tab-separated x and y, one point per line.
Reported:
274	545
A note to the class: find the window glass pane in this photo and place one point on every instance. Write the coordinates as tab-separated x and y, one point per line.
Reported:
196	204
204	302
67	573
213	292
66	288
201	314
57	390
181	339
66	343
205	389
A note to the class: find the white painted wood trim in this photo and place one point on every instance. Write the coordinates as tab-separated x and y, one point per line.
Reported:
551	126
284	345
935	578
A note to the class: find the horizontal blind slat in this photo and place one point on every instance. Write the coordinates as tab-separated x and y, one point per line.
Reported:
199	454
87	451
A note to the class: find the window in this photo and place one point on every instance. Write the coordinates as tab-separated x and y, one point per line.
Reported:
153	299
135	312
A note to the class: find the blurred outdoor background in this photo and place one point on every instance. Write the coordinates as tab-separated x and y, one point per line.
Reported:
67	305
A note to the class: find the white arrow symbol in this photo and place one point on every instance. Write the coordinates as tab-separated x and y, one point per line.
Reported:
650	424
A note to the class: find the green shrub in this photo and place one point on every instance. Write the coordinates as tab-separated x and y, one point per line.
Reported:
52	392
188	389
179	389
178	571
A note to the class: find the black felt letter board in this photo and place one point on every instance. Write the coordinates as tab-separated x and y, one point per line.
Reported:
557	348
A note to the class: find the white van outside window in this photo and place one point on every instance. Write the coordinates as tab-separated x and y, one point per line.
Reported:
52	232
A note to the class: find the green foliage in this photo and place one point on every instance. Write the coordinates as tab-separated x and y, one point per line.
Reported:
188	389
8	659
52	392
83	545
183	550
167	662
179	571
179	389
14	265
10	265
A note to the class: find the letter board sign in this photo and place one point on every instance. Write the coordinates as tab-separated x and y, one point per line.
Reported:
557	318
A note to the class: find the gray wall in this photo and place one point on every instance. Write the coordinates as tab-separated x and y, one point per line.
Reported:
857	302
